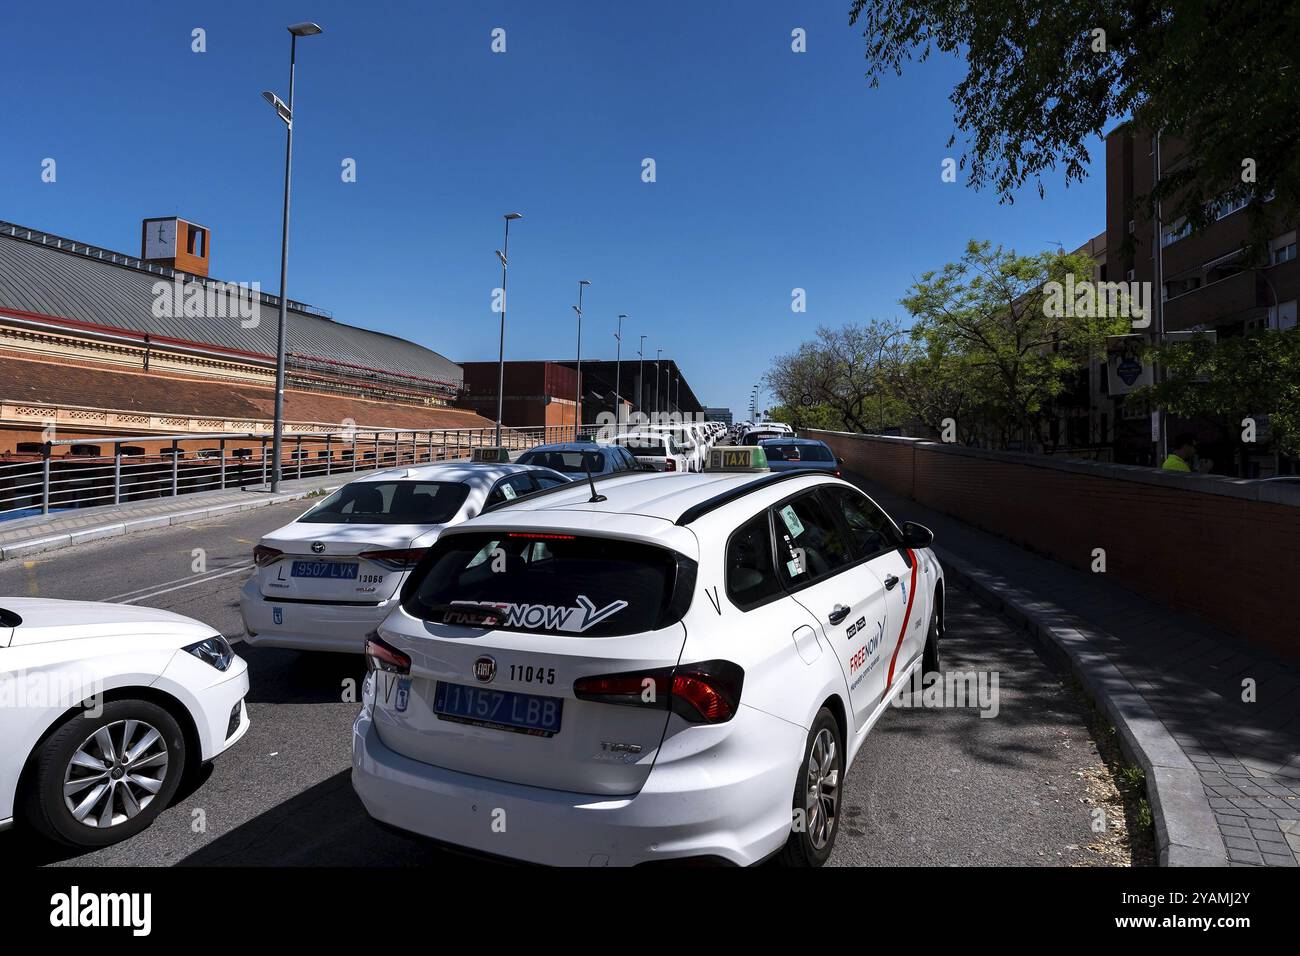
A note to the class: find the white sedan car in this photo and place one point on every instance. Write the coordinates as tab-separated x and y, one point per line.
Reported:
656	450
104	709
646	673
325	580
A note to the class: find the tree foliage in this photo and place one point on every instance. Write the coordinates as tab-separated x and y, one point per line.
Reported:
1221	76
1235	379
983	323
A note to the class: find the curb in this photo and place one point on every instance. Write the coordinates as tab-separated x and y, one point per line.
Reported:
120	528
1187	833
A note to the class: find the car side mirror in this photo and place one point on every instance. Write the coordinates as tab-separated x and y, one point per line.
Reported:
839	461
917	535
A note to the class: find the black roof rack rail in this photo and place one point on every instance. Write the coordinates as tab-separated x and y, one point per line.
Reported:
568	486
730	495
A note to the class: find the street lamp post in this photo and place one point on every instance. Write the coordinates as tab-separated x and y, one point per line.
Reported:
577	397
285	112
640	377
618	372
658	352
503	254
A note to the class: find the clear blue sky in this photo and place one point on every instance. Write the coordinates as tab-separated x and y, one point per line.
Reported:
775	170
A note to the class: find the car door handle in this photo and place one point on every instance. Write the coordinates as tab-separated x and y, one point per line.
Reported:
890	581
838	613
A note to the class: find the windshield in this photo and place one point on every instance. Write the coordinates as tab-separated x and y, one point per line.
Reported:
555	583
569	462
797	452
391	502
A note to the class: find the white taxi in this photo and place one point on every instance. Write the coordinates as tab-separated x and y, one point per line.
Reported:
659	451
326	579
646	668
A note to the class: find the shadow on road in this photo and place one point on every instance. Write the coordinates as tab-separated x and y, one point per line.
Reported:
322	826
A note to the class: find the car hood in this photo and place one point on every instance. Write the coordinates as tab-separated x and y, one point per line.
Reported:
46	620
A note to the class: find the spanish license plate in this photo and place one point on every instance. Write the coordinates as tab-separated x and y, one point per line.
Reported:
329	570
501	709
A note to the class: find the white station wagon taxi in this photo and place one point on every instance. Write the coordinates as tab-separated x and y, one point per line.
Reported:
646	668
323	581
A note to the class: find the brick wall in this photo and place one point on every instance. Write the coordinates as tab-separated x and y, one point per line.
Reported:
1227	550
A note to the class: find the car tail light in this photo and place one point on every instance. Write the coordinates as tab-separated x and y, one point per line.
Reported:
262	555
672	465
704	693
382	656
401	559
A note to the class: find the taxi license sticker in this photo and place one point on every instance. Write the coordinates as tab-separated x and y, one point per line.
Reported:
792	521
403	694
509	492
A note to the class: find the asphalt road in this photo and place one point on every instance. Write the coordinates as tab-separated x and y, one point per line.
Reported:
931	786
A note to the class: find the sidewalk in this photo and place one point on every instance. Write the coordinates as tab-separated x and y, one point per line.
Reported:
1223	773
24	536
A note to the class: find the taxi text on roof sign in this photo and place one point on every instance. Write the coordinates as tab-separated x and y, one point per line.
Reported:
737	458
495	455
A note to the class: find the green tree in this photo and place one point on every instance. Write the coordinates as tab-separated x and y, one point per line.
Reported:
1220	76
840	371
1234	379
995	320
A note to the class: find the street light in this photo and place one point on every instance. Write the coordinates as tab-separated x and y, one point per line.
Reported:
503	254
285	112
658	352
618	371
640	377
577	398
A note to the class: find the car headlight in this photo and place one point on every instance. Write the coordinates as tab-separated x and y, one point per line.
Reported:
214	651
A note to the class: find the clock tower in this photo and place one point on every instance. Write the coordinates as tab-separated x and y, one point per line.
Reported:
170	241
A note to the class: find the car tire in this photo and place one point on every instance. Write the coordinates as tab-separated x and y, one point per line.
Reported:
138	789
931	662
819	785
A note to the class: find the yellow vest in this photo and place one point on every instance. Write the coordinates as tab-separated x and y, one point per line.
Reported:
1174	463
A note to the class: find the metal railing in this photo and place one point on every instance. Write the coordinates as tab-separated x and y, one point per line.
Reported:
75	473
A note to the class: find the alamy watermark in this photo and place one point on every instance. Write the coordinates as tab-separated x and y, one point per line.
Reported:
1097	300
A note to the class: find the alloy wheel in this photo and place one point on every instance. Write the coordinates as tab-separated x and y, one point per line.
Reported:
115	773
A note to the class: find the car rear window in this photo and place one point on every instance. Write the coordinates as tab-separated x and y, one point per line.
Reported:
569	462
572	585
643	446
793	452
390	502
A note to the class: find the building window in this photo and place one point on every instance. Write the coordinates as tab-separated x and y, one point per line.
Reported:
1283	318
1282	249
196	241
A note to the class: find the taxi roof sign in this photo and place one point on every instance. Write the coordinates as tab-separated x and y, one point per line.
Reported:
495	455
737	458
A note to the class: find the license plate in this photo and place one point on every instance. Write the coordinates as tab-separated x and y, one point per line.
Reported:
330	570
501	709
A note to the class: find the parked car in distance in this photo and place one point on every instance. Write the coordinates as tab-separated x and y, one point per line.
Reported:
577	458
656	450
787	454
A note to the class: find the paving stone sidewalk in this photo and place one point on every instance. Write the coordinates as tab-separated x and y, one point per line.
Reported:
1245	754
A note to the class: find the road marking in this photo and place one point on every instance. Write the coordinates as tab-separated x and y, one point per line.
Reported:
118	598
189	584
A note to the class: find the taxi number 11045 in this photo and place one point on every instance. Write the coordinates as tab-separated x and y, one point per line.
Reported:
532	675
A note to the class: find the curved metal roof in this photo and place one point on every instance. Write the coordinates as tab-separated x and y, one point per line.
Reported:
63	279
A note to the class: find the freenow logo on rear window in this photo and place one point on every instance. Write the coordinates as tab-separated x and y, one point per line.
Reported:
546	617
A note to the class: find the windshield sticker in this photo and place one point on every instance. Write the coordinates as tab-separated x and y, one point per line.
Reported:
550	617
509	491
792	521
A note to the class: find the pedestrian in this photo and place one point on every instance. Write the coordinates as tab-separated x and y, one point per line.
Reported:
1181	454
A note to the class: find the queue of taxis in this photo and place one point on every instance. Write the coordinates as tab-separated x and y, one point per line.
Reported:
646	667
